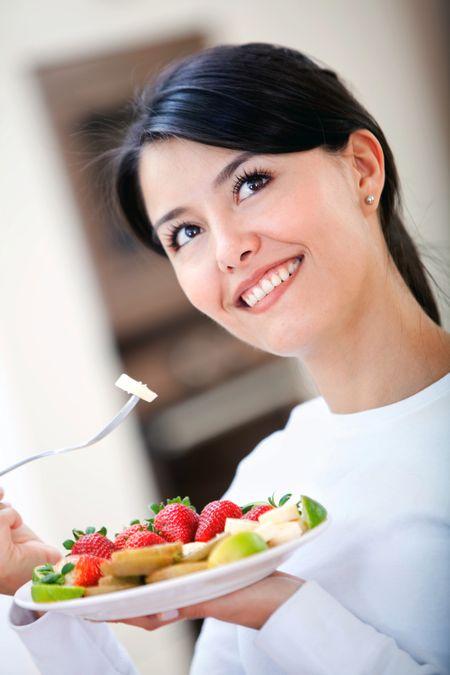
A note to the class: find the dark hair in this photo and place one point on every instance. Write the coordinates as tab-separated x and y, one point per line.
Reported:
264	99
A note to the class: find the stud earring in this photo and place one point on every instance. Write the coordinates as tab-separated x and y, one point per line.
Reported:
369	199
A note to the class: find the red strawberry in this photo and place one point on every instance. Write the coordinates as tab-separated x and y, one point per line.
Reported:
176	522
143	538
81	570
253	510
93	544
212	518
90	542
257	511
122	538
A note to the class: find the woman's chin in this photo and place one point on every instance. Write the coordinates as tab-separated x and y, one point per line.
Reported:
287	343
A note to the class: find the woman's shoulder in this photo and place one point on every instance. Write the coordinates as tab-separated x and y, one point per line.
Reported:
312	410
255	467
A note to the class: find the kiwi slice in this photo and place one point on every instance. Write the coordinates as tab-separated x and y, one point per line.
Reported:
54	592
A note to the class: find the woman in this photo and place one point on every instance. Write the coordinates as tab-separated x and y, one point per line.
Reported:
275	197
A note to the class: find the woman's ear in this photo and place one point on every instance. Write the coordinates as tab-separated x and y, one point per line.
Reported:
368	165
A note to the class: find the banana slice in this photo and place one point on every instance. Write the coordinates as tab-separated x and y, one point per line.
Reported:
106	568
131	386
266	530
142	561
233	525
282	514
177	570
278	533
109	580
196	551
110	588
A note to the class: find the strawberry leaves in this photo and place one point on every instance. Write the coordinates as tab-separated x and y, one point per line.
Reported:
271	500
156	508
77	534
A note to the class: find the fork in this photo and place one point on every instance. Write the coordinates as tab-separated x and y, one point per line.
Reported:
112	424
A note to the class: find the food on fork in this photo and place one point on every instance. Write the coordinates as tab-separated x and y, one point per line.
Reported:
138	391
173	543
130	386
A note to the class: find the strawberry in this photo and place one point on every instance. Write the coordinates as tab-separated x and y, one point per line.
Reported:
212	518
80	570
257	511
177	520
253	510
143	538
122	537
90	542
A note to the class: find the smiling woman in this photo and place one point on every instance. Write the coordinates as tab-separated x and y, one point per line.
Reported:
260	99
275	197
250	226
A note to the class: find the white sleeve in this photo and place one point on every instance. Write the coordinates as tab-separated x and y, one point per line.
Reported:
314	632
59	643
216	651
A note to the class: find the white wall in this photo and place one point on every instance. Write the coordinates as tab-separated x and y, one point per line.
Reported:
56	353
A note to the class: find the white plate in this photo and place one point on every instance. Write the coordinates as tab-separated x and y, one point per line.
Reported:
173	593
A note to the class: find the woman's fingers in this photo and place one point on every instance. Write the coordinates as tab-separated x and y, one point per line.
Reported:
2	493
53	555
251	606
154	621
9	519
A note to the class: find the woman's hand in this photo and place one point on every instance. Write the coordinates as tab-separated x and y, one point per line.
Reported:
20	550
250	606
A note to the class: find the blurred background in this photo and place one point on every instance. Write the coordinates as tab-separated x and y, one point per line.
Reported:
81	303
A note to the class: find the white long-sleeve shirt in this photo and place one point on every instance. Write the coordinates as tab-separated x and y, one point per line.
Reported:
376	601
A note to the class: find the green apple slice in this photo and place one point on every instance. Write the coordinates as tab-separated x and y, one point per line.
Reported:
235	547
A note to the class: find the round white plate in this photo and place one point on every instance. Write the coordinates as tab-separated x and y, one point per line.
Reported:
173	593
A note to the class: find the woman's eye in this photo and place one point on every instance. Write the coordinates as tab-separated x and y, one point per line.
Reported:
183	234
247	185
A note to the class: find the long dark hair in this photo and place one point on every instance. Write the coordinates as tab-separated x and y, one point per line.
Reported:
264	99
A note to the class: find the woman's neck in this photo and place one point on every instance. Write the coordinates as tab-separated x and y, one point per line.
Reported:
391	352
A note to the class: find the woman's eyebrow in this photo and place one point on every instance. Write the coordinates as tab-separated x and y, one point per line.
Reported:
230	168
222	176
174	213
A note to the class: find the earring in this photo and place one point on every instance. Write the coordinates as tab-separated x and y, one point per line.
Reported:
369	199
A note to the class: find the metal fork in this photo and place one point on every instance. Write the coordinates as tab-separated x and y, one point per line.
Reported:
112	424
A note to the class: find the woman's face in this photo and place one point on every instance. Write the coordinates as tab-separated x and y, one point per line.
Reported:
274	248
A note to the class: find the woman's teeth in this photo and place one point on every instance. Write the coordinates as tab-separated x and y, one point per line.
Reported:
271	281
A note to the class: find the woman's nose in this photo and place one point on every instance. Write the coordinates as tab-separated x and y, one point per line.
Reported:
235	248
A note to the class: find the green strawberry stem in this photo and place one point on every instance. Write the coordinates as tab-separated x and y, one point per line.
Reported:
271	500
156	508
247	507
77	534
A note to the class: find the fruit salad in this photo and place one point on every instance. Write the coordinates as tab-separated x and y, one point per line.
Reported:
174	541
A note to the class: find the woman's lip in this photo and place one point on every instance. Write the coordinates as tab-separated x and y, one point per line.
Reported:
272	297
257	276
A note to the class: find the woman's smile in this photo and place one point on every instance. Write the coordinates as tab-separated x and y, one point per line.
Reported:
254	292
